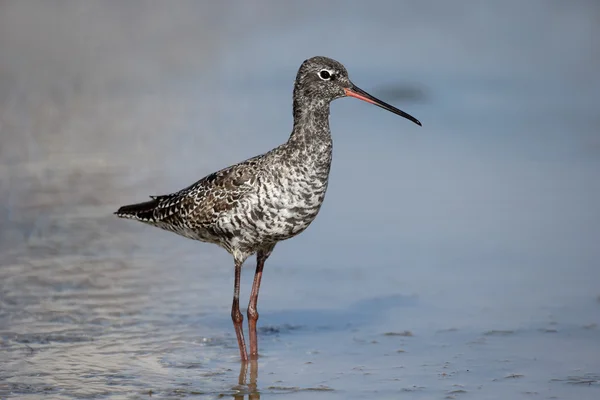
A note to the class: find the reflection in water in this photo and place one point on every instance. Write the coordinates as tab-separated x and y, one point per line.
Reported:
252	389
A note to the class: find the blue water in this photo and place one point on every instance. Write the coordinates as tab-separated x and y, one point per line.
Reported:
456	260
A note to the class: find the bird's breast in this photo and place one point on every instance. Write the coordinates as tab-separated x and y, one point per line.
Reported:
284	204
286	198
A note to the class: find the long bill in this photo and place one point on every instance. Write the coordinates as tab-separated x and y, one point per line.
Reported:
360	94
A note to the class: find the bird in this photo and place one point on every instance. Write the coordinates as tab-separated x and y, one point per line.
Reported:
251	206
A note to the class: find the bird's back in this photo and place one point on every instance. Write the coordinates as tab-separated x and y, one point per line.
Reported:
193	211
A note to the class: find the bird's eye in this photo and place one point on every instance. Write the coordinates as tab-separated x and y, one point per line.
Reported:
325	75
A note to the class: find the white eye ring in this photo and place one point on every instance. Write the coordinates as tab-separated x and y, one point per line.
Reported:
326	74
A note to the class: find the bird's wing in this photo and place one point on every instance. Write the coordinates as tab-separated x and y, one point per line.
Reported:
203	202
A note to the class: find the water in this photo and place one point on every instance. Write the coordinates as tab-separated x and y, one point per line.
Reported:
458	260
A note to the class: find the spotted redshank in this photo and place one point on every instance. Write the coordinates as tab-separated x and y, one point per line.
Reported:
251	206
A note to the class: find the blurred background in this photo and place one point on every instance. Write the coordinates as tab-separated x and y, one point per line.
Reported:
457	259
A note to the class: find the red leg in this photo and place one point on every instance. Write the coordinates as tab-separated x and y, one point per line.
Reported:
236	314
261	257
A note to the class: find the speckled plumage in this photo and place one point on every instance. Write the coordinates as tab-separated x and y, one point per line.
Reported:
251	206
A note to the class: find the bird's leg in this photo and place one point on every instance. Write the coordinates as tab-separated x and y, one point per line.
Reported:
236	314
261	257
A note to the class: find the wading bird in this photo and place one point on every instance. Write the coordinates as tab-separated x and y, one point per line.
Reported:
249	207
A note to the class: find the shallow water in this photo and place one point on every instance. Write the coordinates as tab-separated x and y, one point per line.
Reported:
458	260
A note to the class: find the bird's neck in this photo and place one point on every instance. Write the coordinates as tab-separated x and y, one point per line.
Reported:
310	143
311	123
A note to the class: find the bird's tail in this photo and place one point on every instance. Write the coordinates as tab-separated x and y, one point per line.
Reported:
140	211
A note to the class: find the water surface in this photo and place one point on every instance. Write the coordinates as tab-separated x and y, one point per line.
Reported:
458	260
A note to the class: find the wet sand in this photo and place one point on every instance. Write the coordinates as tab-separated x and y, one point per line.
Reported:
459	260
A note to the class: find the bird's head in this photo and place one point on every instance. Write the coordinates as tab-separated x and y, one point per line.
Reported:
321	80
